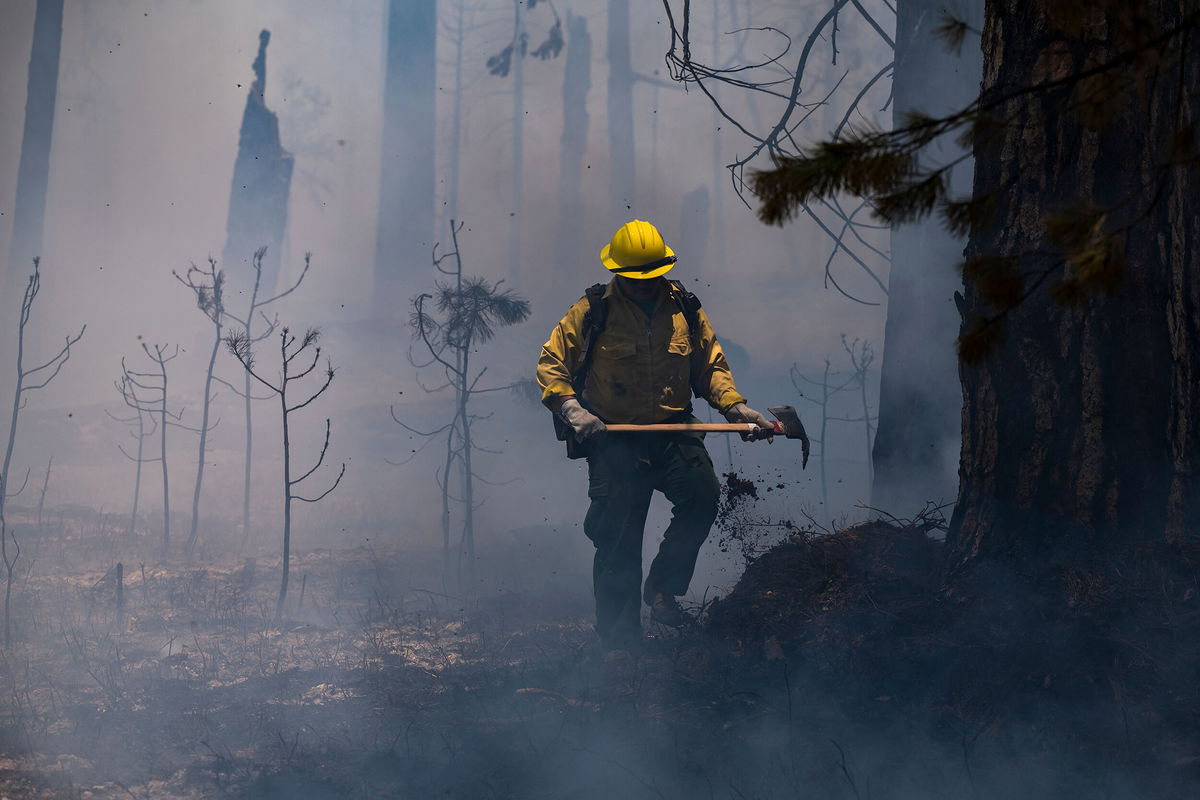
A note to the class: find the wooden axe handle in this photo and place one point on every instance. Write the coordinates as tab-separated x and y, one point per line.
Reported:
683	427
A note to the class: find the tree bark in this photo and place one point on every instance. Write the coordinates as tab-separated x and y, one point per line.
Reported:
454	148
621	155
517	184
1081	430
407	192
206	405
162	454
46	486
248	460
571	257
287	499
920	401
33	173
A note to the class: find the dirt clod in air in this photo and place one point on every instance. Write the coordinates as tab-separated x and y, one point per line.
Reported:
737	488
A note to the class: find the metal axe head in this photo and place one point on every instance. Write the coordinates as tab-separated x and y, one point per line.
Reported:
792	428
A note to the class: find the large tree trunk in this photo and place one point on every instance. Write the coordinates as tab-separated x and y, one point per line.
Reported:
621	157
517	185
1080	431
406	193
720	175
917	443
454	146
572	257
33	175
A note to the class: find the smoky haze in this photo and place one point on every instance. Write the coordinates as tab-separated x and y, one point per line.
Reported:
150	101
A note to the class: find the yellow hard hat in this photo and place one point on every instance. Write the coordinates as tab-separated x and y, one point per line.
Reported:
637	250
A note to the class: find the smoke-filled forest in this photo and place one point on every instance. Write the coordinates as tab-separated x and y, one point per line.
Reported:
598	398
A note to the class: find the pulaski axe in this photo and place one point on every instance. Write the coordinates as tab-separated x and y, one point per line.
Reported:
787	423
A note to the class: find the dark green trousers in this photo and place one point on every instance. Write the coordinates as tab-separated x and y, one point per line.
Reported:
624	470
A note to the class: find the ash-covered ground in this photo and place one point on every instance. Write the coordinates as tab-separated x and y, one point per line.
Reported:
834	669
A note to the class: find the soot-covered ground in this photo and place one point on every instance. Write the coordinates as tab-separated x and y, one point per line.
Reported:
835	669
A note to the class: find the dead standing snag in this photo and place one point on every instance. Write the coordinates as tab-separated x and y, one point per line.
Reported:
140	432
239	344
467	312
209	287
253	311
156	384
39	377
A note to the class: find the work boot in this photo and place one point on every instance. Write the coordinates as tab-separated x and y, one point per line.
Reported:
665	610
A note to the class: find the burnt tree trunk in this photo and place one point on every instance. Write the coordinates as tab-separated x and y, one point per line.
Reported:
517	184
33	174
621	154
577	82
406	182
1081	429
916	445
262	181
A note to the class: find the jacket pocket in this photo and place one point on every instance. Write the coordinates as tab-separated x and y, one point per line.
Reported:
616	347
680	345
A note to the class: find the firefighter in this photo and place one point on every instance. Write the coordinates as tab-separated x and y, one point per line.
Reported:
634	351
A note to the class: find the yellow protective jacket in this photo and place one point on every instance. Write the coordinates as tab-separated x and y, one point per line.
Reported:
643	370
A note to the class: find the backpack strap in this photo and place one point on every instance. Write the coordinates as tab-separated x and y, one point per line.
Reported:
689	304
594	320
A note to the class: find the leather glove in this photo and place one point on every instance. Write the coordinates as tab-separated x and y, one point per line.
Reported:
585	424
740	412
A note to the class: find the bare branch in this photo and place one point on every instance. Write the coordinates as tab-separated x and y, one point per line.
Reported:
135	459
858	99
61	358
238	391
294	286
324	494
328	380
320	458
24	483
407	427
124	420
871	21
311	367
477	477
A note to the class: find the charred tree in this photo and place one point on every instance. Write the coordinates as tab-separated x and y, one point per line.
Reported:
1080	434
208	287
827	390
42	496
262	181
450	325
154	401
28	379
33	174
140	432
407	190
914	458
1080	309
290	349
255	314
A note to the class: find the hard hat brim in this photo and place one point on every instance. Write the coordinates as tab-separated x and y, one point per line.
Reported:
611	265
